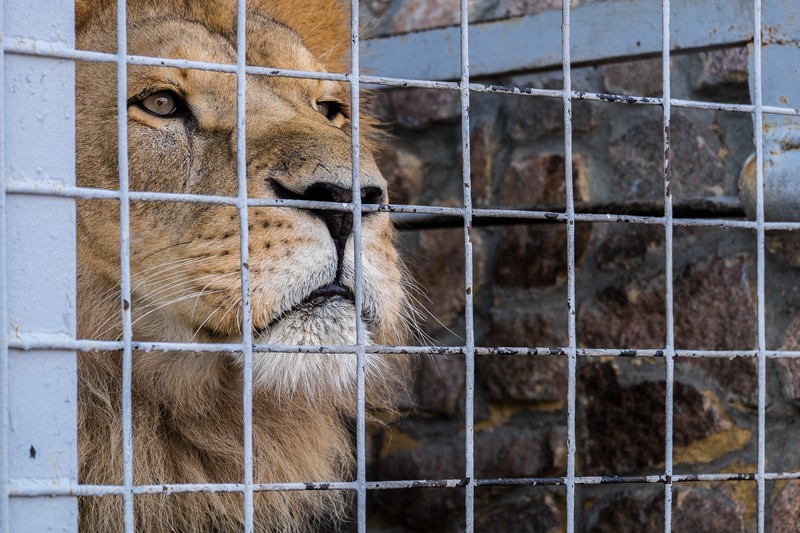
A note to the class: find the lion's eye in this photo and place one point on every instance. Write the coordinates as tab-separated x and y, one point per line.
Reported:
162	103
331	110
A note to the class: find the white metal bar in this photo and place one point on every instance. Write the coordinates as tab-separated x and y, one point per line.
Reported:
31	488
469	322
669	351
244	268
34	341
758	120
40	48
355	119
30	188
572	360
125	266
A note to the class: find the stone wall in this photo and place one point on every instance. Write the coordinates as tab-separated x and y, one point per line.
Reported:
521	300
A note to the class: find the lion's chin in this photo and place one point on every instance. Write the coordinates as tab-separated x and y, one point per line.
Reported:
322	321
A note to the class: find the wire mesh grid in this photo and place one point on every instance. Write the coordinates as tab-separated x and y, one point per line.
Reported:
25	488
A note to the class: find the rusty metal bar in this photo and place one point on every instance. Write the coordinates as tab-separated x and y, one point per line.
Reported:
572	359
33	488
758	121
244	261
361	461
669	351
40	48
469	319
125	265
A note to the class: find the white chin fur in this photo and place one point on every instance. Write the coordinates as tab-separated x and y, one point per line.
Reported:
327	322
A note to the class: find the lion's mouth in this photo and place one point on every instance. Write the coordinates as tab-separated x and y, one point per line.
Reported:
331	291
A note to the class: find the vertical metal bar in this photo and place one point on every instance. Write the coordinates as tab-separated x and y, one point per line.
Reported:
244	239
572	359
758	120
125	267
669	352
361	457
4	516
469	347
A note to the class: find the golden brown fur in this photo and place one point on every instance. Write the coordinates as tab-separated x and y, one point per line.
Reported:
187	407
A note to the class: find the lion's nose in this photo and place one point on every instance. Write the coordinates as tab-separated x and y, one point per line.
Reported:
340	223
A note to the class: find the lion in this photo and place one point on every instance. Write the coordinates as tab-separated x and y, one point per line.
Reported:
185	266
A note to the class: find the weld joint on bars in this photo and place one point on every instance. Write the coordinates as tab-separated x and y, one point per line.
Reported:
25	46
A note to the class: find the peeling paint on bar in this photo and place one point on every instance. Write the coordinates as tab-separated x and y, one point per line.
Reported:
57	50
30	488
32	341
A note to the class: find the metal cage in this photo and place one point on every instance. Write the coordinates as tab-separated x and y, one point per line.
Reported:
38	443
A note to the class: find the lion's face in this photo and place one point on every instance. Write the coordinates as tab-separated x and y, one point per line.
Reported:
185	257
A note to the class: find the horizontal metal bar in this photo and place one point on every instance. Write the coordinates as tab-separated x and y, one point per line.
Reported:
24	187
723	207
598	33
33	341
22	488
24	46
55	49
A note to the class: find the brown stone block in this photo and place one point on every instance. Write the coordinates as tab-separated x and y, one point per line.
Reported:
418	108
521	513
435	458
521	328
629	316
698	170
625	425
634	78
714	309
535	255
539	180
628	511
437	264
789	369
785	515
694	509
625	247
439	384
524	378
737	378
711	509
786	245
405	173
636	155
533	117
722	67
426	510
515	452
715	304
415	15
502	452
